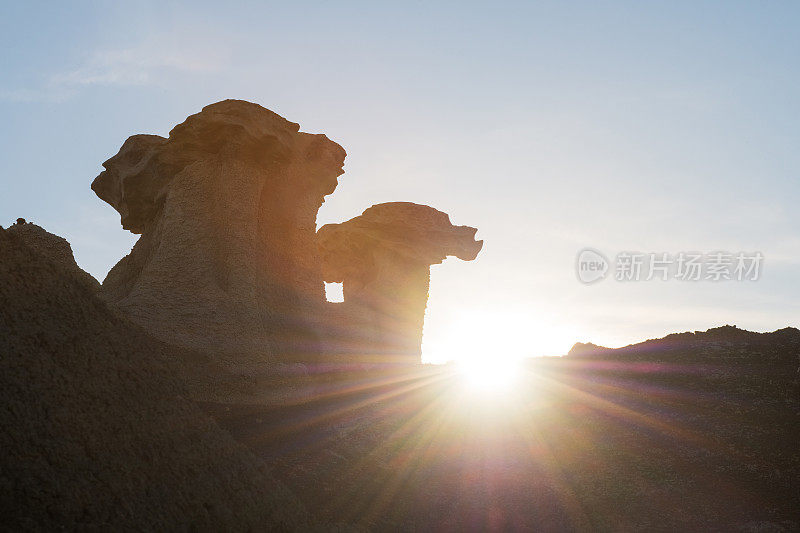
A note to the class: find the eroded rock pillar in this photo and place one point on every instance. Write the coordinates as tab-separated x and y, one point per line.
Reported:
383	259
226	207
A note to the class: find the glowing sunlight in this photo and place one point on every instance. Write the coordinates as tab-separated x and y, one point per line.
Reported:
488	347
486	375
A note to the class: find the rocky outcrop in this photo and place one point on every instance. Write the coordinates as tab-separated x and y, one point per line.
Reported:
229	262
383	259
697	346
97	433
586	349
226	206
53	247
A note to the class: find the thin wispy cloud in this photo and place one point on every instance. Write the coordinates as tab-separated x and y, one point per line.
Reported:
141	64
45	94
151	62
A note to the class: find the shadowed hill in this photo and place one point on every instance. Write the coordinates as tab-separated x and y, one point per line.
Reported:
781	346
707	442
96	433
53	248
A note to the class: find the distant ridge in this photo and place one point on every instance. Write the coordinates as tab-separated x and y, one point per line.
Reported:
729	339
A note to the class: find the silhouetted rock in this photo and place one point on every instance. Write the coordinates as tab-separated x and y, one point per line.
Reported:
227	208
53	247
95	430
383	257
581	349
706	346
728	403
228	261
703	439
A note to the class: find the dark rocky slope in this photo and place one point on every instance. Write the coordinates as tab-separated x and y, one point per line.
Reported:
54	248
96	431
704	440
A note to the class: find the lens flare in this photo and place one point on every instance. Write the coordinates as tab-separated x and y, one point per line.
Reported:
489	375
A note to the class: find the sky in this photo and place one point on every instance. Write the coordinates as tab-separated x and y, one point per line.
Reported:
647	127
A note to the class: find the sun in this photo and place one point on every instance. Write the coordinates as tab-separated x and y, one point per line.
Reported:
485	348
488	346
489	375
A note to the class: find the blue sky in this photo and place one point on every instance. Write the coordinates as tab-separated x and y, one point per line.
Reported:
553	126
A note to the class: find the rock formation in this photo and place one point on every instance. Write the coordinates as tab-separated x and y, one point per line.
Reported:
53	247
97	433
704	345
227	207
383	259
228	261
